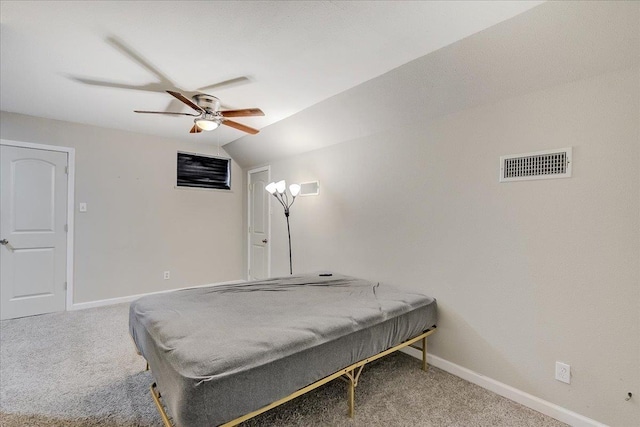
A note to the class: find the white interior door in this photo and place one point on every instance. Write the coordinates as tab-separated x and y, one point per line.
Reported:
258	225
33	213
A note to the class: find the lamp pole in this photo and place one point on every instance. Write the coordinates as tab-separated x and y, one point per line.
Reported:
286	214
279	191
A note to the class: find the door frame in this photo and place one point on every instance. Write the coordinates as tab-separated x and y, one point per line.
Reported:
249	172
71	164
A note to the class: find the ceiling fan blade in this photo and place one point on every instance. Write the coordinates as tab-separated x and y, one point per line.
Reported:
240	126
242	113
150	87
186	100
136	57
195	129
166	112
226	84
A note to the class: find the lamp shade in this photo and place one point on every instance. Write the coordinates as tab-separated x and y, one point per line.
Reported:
281	186
294	189
205	124
271	188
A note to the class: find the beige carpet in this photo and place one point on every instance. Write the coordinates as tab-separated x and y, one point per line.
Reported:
80	369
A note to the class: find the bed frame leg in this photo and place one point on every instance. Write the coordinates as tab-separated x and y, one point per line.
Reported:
155	394
425	367
352	395
352	380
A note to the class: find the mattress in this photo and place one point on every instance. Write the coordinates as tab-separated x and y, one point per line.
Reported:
220	352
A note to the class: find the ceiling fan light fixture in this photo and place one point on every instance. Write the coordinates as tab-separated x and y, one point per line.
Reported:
207	124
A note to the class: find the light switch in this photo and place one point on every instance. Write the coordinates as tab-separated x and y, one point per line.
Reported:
83	207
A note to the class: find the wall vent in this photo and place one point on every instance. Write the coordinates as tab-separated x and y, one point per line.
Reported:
539	165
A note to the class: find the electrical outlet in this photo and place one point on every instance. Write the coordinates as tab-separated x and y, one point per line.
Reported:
167	275
563	372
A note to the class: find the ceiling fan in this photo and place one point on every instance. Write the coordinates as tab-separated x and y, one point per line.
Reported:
208	114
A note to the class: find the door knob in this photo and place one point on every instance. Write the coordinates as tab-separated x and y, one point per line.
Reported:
4	242
264	240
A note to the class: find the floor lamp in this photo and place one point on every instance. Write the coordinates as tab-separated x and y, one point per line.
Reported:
279	191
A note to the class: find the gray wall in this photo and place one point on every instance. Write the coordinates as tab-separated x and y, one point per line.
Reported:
138	224
525	273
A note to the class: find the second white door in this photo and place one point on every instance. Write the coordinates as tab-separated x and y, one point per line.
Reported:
258	225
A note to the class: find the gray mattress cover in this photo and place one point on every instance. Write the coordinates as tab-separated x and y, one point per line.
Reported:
220	352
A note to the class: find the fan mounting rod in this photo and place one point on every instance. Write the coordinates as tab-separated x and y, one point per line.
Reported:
207	102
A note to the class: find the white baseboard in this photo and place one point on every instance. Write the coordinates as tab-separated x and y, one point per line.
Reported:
523	398
111	301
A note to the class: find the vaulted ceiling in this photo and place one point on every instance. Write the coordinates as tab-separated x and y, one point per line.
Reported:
552	44
95	62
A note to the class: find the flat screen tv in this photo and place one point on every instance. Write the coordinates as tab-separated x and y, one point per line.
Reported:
202	171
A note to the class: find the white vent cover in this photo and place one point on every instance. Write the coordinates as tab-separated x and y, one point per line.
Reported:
539	165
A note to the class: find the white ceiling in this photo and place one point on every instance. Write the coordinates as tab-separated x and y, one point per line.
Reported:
294	54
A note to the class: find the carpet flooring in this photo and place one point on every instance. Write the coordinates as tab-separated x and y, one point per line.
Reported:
80	368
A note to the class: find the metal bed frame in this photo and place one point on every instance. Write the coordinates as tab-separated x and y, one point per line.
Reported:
350	374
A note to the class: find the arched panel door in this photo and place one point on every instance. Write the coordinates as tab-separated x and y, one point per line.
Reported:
33	214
